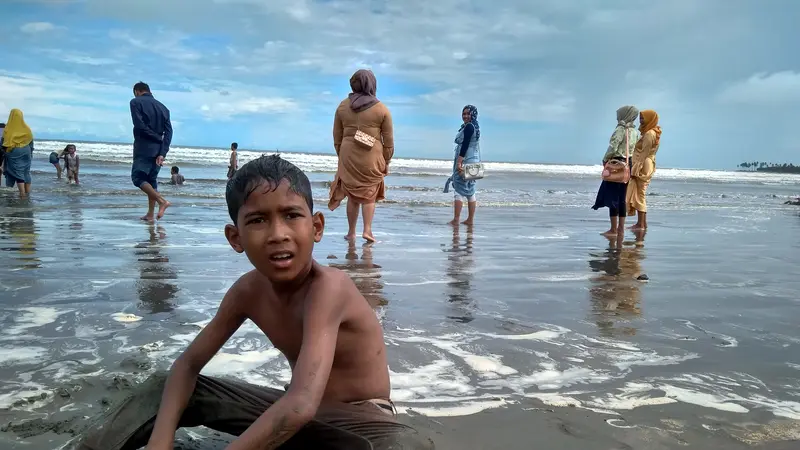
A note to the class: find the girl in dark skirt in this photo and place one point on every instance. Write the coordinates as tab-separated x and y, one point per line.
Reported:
612	195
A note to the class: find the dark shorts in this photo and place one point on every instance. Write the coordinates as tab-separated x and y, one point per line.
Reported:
231	407
53	158
145	170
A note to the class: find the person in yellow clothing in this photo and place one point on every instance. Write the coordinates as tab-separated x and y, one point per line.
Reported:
18	147
643	166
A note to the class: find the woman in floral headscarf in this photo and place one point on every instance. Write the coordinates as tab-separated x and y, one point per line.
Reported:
643	167
611	194
17	143
467	151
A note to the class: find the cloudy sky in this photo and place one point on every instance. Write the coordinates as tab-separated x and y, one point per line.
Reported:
546	75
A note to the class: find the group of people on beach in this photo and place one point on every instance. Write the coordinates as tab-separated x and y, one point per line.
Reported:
363	136
71	163
339	394
16	155
629	165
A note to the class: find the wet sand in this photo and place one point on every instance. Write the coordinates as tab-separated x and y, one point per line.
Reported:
531	327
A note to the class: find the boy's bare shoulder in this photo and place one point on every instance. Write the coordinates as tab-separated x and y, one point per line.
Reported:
330	277
330	280
248	284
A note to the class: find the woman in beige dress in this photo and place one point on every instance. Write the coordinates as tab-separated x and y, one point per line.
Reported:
643	167
362	167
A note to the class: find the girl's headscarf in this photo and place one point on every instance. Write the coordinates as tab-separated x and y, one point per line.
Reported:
17	133
473	113
626	115
364	86
649	121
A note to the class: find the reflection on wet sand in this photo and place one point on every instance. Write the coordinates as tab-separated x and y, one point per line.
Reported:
616	292
459	270
364	272
73	231
155	291
18	234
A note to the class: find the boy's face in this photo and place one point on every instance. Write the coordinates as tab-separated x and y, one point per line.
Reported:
277	232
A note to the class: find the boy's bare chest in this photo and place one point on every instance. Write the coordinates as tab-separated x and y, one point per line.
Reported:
283	327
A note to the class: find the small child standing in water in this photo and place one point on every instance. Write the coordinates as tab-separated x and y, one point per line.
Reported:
72	164
176	178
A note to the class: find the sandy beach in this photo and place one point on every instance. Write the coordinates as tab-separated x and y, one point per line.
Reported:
531	328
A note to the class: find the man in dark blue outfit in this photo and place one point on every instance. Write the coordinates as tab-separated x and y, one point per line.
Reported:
152	134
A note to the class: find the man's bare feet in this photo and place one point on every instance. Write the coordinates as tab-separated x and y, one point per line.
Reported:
368	237
147	218
162	208
453	222
350	237
610	233
467	222
637	227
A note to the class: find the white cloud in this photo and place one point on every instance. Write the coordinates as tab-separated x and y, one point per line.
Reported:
764	89
50	106
168	44
37	27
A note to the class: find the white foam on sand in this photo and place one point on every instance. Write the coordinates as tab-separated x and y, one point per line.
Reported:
27	396
465	408
234	363
711	391
18	355
550	335
485	366
33	317
552	378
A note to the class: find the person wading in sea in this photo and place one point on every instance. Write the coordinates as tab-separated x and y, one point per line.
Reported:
152	135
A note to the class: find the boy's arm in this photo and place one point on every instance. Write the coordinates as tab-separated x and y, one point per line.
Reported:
183	374
322	317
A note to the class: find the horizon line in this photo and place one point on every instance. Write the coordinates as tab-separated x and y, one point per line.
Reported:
732	169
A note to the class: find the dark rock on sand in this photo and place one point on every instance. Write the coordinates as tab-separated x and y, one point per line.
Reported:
643	277
333	257
795	202
137	363
36	427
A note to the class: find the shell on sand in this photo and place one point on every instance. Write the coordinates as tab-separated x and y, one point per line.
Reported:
125	317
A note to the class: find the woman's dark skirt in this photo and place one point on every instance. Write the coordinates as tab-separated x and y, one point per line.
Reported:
53	158
612	196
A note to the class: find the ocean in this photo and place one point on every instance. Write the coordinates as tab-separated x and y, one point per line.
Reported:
531	307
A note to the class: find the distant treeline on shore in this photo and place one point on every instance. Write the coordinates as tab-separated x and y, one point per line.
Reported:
770	167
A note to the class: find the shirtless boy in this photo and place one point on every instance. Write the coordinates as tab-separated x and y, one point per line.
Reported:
339	393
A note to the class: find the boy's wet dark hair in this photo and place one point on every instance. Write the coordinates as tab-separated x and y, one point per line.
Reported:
175	169
270	169
235	146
